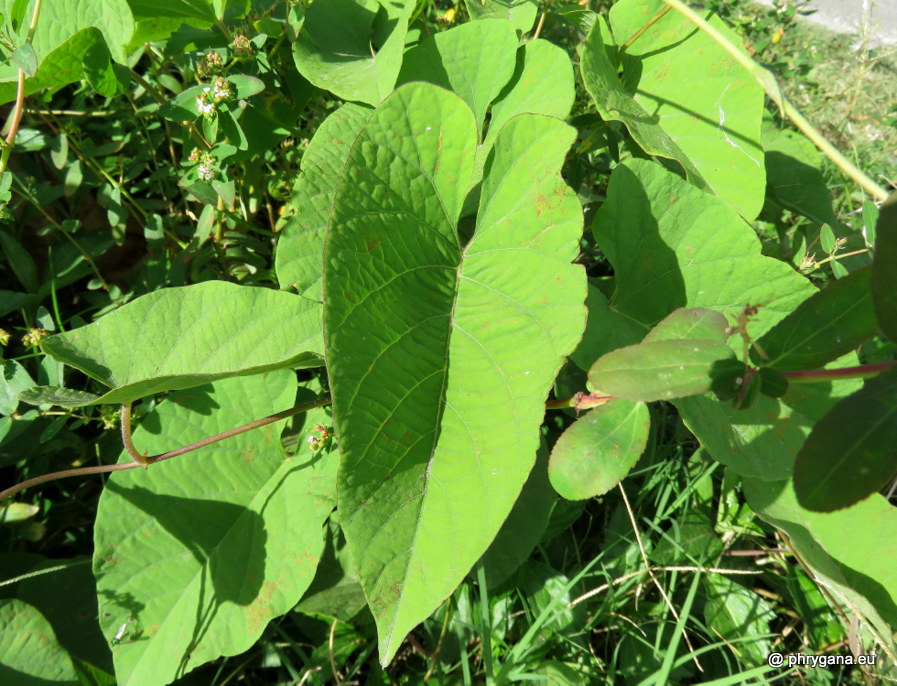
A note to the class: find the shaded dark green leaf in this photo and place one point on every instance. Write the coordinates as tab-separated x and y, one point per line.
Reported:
850	453
824	327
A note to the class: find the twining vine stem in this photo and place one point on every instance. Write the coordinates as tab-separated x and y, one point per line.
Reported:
20	96
578	401
140	461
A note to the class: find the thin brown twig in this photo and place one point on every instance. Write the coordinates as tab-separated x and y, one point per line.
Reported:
666	568
104	469
337	678
663	593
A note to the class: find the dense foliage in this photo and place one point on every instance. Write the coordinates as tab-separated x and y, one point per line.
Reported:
574	397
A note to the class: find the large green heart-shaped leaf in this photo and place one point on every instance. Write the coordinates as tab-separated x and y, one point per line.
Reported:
851	551
441	354
184	337
62	37
689	95
31	655
300	250
475	60
353	48
673	245
203	550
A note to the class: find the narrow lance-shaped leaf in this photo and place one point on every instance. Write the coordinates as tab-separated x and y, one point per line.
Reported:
850	453
599	449
824	327
441	355
200	552
884	268
184	337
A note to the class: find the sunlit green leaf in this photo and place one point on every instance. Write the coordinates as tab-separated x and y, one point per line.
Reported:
520	13
440	354
201	551
184	337
300	250
672	245
658	370
690	322
353	48
474	60
598	449
31	654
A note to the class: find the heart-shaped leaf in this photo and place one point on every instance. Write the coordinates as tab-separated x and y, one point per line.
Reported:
441	354
184	337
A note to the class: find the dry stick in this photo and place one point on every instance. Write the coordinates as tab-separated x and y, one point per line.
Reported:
771	86
539	27
330	641
619	580
103	469
666	598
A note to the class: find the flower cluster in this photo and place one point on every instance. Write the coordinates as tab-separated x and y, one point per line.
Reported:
320	437
35	336
4	337
207	169
217	92
209	65
242	47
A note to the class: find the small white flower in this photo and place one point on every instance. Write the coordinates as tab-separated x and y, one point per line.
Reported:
203	106
205	172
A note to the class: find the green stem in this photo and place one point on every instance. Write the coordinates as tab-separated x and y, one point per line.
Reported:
486	627
126	436
863	371
579	401
768	81
103	469
638	34
10	140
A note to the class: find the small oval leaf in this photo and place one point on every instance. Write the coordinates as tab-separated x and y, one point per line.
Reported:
598	449
658	370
